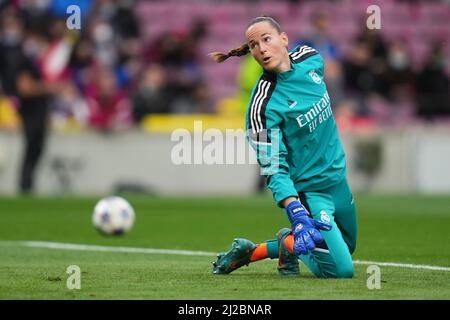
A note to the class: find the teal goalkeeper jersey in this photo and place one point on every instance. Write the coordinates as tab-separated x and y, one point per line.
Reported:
291	126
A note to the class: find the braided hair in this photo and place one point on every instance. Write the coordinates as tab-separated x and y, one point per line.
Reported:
244	49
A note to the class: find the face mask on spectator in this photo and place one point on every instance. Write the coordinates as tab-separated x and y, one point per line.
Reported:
103	33
398	60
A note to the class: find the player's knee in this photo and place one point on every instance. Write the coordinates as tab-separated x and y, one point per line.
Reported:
345	271
336	271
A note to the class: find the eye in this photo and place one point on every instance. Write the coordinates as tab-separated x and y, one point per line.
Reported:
266	39
252	45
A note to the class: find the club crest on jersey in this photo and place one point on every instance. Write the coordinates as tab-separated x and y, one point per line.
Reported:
315	76
324	216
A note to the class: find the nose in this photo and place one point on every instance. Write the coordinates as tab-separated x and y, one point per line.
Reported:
262	48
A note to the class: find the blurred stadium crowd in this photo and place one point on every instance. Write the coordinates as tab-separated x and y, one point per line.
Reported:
135	58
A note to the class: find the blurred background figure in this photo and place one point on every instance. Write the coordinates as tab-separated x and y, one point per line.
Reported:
81	63
433	85
153	93
360	79
70	109
397	85
109	106
320	39
22	80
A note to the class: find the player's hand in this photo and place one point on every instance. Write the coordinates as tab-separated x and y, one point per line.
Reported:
305	229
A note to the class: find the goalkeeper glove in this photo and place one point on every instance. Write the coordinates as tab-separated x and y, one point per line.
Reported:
305	229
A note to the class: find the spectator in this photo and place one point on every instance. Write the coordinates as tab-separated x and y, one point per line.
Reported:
322	42
108	104
104	43
69	108
376	46
176	51
81	63
360	80
11	52
399	75
130	63
54	61
36	15
433	86
21	78
152	94
124	20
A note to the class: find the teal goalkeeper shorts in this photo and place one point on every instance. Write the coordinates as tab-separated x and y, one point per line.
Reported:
335	205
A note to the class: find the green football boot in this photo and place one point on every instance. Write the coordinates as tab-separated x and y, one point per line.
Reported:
287	262
239	255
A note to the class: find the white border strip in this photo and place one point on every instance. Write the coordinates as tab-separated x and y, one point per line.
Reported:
85	247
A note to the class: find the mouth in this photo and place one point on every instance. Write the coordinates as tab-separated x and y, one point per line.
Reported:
266	60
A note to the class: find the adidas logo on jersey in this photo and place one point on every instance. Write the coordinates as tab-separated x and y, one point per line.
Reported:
291	104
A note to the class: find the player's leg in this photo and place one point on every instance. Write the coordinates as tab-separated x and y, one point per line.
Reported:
345	214
34	126
242	252
332	259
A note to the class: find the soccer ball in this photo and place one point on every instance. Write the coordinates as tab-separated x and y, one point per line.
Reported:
113	216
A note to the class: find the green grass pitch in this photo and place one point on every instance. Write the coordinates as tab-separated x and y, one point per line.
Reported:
402	229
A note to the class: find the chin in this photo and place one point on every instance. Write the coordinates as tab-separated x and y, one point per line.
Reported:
271	67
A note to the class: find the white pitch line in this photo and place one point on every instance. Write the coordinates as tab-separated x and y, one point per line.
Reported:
402	265
86	247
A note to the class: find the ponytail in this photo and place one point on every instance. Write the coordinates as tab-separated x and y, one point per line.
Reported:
221	57
244	49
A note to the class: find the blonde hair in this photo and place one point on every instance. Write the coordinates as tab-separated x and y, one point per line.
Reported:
244	49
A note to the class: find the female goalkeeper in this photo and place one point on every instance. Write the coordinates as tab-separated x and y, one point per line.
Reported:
291	127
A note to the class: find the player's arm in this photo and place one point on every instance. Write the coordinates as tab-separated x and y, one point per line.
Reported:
271	154
287	201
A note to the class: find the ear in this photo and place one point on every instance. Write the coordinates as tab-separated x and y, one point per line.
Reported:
284	39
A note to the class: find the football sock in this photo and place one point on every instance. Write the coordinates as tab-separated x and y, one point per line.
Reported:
289	242
267	249
272	248
259	253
